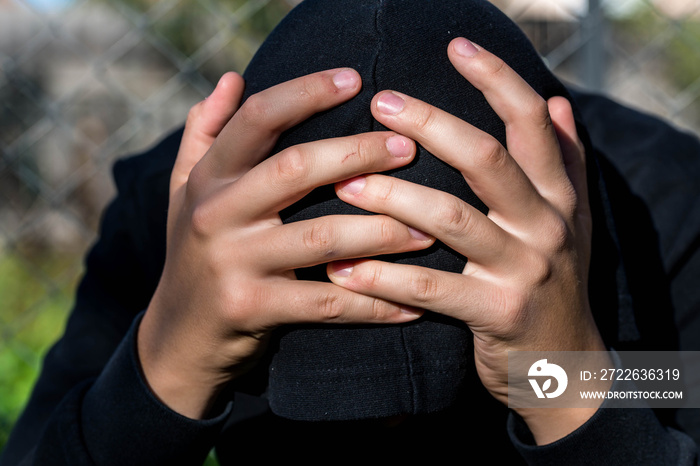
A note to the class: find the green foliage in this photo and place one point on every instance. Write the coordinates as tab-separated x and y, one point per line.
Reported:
211	460
676	43
32	316
683	59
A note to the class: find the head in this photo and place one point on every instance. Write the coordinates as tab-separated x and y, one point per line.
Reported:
348	373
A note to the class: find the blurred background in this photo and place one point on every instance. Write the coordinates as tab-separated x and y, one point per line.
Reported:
83	82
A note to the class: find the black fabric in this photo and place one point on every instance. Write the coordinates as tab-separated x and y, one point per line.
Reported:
337	373
122	388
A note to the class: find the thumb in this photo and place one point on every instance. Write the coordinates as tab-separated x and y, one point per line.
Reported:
204	123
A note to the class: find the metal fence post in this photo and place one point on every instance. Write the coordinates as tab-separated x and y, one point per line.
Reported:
593	54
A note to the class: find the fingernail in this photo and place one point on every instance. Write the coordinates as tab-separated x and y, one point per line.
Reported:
419	235
411	312
346	79
342	269
390	103
354	185
465	48
399	146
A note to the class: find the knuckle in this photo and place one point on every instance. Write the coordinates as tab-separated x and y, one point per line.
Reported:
557	234
291	166
513	305
320	238
254	111
308	88
538	113
424	287
540	270
386	192
380	309
371	277
386	232
311	91
494	67
203	219
454	218
365	151
489	154
424	119
243	300
330	306
570	200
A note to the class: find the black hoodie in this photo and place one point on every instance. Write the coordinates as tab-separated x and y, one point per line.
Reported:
91	405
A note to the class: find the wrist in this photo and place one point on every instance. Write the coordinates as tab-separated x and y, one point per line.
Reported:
173	375
548	425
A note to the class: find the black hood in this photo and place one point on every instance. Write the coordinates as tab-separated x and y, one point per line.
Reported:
344	373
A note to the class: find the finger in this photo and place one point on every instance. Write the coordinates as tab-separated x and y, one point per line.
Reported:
490	171
294	172
454	222
530	136
316	241
466	298
252	132
204	123
573	152
297	302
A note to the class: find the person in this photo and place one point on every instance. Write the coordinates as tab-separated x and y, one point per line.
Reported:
123	387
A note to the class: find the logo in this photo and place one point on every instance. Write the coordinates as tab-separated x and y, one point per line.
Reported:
544	369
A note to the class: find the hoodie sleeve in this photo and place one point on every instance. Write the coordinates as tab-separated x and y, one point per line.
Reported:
90	400
619	433
613	436
115	420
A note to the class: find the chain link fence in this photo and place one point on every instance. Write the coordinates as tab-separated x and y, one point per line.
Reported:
83	82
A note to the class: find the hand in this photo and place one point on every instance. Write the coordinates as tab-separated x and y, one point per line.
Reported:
228	279
525	284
